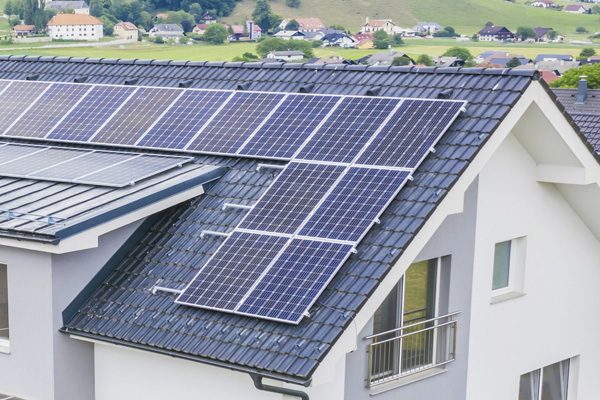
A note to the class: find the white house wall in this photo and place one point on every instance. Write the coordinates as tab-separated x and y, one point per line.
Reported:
554	320
44	363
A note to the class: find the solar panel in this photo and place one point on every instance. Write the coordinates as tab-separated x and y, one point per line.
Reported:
127	125
39	160
295	281
16	98
10	152
412	131
184	119
354	203
81	166
233	124
291	197
348	129
232	271
94	110
290	125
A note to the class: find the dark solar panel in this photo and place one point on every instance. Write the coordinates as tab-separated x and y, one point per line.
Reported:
348	129
296	280
16	98
127	125
47	111
409	135
284	132
183	121
289	200
355	202
93	111
232	271
233	124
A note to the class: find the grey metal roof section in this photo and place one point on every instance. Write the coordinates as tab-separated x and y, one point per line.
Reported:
126	311
50	211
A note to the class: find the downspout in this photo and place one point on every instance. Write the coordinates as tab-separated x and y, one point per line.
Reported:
268	388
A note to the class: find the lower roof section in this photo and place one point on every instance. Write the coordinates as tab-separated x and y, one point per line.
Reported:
46	211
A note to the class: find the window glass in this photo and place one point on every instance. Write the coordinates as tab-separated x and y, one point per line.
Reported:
554	381
529	386
501	265
3	302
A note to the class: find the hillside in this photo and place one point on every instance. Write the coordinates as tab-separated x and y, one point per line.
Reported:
466	16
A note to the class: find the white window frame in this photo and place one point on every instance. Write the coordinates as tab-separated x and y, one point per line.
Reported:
516	271
571	382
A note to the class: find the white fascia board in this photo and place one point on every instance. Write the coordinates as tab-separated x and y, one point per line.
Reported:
348	341
89	239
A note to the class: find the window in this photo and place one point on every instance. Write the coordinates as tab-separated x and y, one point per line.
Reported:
3	303
548	383
508	269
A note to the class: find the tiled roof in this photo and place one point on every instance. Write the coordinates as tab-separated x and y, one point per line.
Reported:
376	23
564	57
568	97
492	30
59	5
123	309
589	124
128	26
539	32
74	19
25	28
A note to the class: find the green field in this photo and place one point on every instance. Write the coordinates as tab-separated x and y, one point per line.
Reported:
228	51
466	16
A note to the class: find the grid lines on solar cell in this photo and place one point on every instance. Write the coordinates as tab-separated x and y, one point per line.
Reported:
135	168
129	123
354	203
81	166
289	200
179	125
290	125
13	151
296	280
410	133
234	123
348	129
48	110
16	98
232	271
39	160
89	115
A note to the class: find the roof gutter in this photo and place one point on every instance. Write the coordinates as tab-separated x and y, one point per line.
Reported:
217	363
274	389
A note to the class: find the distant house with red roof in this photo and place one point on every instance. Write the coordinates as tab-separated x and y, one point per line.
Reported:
543	4
126	30
24	30
304	24
385	25
364	40
250	31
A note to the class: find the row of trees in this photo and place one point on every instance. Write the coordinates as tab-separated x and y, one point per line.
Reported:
31	11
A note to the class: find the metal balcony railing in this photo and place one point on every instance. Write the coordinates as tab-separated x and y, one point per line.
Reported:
412	348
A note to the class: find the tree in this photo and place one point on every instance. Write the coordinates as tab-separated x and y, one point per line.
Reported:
292	3
381	44
292	25
184	40
146	20
397	40
175	17
402	60
380	35
95	8
275	44
425	59
186	26
571	77
108	27
196	10
14	21
8	8
215	34
581	29
459	52
317	43
67	10
338	27
489	23
552	35
159	40
526	32
513	62
586	52
446	32
596	9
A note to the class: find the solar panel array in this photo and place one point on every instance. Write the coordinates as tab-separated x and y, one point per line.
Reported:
350	156
100	168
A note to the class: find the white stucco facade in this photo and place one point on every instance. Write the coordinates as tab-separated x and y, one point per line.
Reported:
76	32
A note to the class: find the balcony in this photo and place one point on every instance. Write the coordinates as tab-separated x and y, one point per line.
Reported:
411	349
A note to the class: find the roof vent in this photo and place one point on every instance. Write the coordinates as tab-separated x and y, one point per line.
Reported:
80	79
374	91
185	84
131	81
445	94
581	90
244	86
307	88
32	77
